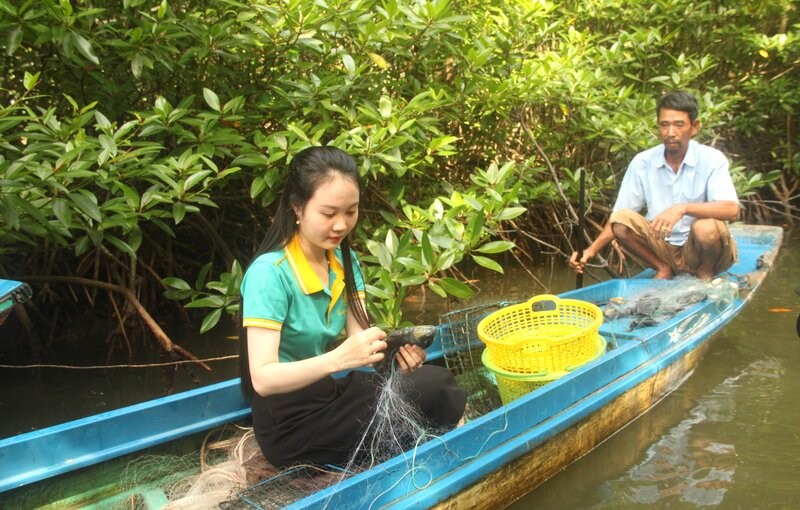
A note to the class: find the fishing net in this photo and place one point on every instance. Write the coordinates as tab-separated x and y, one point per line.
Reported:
396	428
194	480
223	471
230	473
284	488
663	300
462	350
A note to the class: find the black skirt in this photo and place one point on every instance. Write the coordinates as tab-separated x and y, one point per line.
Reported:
323	423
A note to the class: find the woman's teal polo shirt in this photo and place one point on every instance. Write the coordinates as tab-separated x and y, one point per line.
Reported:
281	292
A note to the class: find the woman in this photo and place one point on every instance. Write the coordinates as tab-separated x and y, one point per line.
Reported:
301	291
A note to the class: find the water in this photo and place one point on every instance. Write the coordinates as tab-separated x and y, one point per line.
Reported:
40	397
729	437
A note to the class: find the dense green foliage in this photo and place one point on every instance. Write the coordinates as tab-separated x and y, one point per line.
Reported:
143	142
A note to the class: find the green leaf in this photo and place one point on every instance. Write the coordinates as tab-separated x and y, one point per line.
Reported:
210	320
175	283
392	242
427	251
135	238
85	47
437	290
509	213
378	292
207	302
82	245
137	63
108	143
487	263
178	295
194	179
178	212
120	133
212	100
85	202
66	7
349	64
257	186
385	107
30	80
442	144
475	228
381	252
101	121
202	275
412	264
455	287
121	245
496	247
62	211
411	281
13	42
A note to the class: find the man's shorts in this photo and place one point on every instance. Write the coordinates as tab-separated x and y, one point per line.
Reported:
682	259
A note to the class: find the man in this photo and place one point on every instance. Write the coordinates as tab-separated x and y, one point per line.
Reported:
688	193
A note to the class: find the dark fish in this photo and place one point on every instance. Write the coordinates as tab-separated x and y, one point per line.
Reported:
646	322
650	309
619	307
415	335
647	304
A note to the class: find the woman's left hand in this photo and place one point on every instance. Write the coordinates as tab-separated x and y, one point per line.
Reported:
410	357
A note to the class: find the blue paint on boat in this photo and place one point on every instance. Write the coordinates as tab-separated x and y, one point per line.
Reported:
34	456
13	293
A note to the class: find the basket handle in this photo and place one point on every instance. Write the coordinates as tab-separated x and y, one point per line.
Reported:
544	304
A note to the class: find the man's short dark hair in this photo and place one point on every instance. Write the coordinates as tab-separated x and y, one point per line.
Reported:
679	100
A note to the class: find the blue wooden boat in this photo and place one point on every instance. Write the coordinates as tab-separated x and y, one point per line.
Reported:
12	293
495	458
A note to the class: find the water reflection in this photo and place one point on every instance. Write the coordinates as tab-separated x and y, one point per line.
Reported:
31	399
687	463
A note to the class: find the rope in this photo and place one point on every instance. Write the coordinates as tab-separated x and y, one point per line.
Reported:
103	367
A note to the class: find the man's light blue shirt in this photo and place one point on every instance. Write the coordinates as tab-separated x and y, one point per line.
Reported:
651	184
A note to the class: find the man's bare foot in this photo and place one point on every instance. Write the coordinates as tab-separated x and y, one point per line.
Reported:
663	273
706	277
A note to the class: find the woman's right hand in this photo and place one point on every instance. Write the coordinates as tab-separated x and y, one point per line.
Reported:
361	349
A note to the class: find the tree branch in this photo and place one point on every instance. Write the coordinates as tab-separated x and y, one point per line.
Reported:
166	343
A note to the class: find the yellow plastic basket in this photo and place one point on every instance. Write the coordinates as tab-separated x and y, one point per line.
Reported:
511	386
544	334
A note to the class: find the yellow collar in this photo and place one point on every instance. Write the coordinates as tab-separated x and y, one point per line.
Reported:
306	277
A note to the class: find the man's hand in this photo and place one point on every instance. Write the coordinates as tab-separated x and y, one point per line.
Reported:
661	227
578	265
